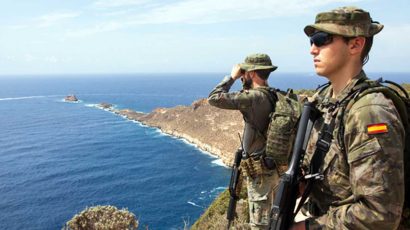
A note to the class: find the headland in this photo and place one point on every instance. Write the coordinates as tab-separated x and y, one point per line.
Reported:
211	129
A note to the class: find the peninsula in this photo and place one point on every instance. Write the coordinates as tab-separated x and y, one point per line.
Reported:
211	129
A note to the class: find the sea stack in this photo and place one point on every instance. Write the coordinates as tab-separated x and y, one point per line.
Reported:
71	98
104	105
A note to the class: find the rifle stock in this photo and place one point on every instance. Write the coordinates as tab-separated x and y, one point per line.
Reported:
233	186
282	212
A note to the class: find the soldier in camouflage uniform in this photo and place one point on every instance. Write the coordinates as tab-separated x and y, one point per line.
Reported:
363	184
255	107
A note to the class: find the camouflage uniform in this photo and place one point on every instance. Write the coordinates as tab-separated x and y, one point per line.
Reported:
255	108
363	186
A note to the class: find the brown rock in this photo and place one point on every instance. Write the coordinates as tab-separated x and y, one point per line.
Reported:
212	129
104	105
71	98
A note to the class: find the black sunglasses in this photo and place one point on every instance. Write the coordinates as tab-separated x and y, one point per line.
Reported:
321	39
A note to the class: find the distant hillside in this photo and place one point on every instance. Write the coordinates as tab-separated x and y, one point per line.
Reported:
211	129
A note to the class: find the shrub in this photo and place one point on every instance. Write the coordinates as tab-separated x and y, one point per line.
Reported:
102	218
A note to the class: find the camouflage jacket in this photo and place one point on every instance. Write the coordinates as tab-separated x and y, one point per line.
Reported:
363	187
254	106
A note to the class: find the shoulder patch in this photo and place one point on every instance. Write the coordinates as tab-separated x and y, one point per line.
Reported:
377	128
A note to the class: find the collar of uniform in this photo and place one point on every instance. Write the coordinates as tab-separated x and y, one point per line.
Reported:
329	100
262	87
346	91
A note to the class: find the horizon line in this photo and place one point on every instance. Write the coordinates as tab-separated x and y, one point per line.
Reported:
166	73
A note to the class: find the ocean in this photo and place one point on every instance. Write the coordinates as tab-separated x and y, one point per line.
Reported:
57	158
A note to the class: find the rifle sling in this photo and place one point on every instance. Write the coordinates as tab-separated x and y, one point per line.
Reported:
322	147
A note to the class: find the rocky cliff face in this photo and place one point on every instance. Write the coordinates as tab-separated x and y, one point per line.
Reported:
211	129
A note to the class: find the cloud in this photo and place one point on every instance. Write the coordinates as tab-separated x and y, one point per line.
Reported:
200	12
51	19
118	3
44	21
99	28
216	11
29	58
393	40
16	27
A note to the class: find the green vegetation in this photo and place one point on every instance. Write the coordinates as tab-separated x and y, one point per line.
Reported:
102	218
305	92
215	216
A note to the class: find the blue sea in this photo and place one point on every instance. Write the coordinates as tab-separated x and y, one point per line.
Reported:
57	158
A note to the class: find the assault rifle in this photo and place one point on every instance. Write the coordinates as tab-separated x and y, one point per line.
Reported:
233	186
282	212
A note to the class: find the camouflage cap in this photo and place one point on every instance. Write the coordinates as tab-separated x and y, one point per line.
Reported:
257	62
345	21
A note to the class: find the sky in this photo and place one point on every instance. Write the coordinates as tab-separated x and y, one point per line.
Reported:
180	36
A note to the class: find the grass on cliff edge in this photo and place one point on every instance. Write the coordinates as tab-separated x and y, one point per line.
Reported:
103	217
215	216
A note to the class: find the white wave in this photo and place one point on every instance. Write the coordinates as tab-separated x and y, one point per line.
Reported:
112	109
28	97
189	143
74	102
208	153
20	98
219	162
158	133
193	204
217	189
139	123
92	105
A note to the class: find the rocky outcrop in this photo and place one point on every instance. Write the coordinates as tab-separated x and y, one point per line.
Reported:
211	129
104	105
71	98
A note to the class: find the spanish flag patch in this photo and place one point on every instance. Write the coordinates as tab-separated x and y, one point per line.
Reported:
377	128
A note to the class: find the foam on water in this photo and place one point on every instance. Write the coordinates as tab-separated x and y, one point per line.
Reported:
193	204
91	105
27	97
73	102
219	162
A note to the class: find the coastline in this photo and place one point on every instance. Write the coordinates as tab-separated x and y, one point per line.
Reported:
211	130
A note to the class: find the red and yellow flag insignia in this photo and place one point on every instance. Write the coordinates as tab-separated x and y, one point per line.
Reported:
377	128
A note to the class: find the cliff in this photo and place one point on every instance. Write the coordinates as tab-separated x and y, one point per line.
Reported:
211	129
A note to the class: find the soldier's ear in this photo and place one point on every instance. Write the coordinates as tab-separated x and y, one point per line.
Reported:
252	74
356	45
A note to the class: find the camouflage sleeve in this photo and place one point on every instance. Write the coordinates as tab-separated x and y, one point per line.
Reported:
376	169
221	98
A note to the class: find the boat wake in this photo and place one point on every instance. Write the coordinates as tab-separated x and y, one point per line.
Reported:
27	97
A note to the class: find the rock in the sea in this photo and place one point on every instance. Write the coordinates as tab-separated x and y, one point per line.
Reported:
71	98
105	105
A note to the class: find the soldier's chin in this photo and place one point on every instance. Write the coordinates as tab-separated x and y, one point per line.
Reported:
320	72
